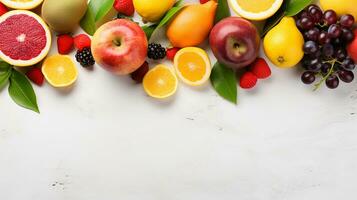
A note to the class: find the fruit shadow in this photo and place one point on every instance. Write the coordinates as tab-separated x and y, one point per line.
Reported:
65	91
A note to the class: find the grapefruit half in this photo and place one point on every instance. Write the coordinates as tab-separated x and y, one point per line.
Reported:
22	4
25	38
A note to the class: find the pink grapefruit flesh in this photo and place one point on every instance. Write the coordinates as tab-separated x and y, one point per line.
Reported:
25	39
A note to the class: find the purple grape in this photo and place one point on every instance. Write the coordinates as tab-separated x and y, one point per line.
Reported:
337	42
334	31
346	76
327	50
347	35
330	17
298	24
324	38
332	82
312	34
348	64
306	23
340	54
347	20
312	6
314	65
310	47
308	77
303	13
316	14
325	68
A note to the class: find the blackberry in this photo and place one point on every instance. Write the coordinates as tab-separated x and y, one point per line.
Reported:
85	57
156	51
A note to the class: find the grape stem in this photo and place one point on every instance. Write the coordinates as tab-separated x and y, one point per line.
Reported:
332	62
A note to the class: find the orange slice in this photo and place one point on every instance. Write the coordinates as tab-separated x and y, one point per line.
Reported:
22	4
192	66
160	82
59	70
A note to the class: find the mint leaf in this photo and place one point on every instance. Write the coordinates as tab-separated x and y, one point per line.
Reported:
222	11
224	81
5	72
21	91
296	6
96	10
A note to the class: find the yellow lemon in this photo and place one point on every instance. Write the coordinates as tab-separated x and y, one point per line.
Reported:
256	9
152	10
283	44
192	66
340	6
160	82
59	70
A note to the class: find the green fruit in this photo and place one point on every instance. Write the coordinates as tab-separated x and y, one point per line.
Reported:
63	16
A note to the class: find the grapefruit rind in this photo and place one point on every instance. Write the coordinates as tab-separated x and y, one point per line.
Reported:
28	5
44	52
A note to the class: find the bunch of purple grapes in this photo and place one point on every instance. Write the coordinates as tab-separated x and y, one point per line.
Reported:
326	38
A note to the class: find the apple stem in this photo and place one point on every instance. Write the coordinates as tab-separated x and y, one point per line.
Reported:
117	42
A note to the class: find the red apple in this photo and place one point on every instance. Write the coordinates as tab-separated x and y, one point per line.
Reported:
235	42
120	46
352	48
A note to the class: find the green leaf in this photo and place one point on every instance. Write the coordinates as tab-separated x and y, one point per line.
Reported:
21	91
96	10
149	30
275	19
295	6
222	11
224	81
5	72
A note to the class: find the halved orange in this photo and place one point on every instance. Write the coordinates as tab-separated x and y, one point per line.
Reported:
160	82
256	9
192	66
59	70
22	4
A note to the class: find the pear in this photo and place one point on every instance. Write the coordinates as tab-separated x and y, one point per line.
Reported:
63	16
283	44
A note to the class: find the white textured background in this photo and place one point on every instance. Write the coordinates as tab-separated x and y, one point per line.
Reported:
105	139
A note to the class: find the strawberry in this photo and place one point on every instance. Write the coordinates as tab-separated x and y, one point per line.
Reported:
203	1
170	53
125	7
64	44
82	41
248	80
3	9
260	68
35	75
139	74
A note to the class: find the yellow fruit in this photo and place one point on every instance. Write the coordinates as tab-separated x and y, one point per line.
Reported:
160	82
192	66
152	10
283	44
256	9
192	24
22	4
340	6
59	70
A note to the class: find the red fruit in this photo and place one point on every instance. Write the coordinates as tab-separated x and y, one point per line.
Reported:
260	68
3	9
170	53
82	41
36	76
125	7
248	80
64	44
352	48
204	1
139	74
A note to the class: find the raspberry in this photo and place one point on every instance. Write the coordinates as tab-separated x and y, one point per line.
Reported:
170	53
82	41
36	76
248	80
260	68
64	44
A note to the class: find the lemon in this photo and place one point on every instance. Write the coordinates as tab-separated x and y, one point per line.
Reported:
341	7
160	82
256	9
283	44
22	4
192	66
59	70
152	10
